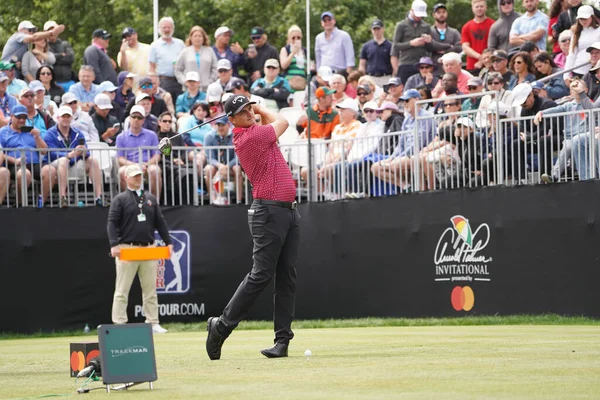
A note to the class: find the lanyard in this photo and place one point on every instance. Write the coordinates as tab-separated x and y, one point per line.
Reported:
141	201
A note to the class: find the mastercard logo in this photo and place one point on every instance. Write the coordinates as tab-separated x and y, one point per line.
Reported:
462	298
79	361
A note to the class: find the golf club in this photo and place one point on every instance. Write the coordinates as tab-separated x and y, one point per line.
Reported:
165	147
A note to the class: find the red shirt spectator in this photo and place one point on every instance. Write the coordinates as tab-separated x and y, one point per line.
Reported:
475	34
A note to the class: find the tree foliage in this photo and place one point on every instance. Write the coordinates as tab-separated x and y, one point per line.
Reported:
276	16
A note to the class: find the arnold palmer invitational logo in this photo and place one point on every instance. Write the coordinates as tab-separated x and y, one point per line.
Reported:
460	254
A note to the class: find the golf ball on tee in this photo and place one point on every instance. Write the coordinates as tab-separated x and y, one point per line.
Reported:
308	353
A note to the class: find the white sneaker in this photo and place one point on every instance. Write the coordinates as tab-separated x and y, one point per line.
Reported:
156	328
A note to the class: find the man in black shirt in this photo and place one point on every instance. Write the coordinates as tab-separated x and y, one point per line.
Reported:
133	217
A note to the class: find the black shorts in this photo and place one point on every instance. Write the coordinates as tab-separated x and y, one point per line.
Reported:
36	171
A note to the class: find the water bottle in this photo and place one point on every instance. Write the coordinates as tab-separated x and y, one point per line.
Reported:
40	202
86	329
80	203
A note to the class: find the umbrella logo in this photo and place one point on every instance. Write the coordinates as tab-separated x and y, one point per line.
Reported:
462	227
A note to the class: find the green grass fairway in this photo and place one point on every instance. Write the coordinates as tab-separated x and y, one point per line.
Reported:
432	362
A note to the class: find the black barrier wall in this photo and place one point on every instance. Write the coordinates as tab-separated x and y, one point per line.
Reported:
450	253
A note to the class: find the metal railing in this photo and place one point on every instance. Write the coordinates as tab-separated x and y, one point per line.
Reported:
498	151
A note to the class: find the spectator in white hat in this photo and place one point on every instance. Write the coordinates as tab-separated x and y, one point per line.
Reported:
234	53
150	120
108	126
272	86
225	71
17	45
193	94
82	121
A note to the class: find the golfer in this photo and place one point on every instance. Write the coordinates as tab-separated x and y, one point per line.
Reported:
274	225
133	217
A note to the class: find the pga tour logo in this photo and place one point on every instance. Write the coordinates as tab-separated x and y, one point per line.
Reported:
173	276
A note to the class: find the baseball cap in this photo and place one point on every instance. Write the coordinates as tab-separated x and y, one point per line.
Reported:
133	170
130	75
141	97
192	76
50	25
235	83
102	101
19	109
365	88
502	108
101	33
425	61
36	85
537	85
410	94
222	121
465	121
595	45
138	109
221	30
500	54
388	105
64	110
68	98
323	91
127	32
325	73
271	62
419	8
5	65
213	93
223	63
593	69
145	81
107	86
25	25
25	91
585	12
438	6
257	31
3	77
370	105
349	104
377	24
235	104
395	81
475	81
327	14
520	93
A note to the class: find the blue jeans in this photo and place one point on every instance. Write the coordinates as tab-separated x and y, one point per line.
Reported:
581	156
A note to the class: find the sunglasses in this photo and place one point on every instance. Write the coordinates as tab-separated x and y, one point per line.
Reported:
167	121
494	83
425	66
361	94
503	3
46	73
471	87
451	104
326	19
73	102
136	117
271	67
146	86
20	116
370	111
27	96
223	70
255	37
565	41
518	62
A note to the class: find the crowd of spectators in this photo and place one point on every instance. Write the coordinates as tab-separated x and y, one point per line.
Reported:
535	63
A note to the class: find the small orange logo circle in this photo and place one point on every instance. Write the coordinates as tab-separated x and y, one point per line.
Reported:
462	298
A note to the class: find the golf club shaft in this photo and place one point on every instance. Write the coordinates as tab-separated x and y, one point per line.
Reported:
197	126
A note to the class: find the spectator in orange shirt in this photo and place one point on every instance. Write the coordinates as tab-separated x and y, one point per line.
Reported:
323	118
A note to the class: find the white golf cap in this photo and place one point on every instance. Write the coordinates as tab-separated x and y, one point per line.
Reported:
64	110
49	25
68	98
465	121
223	63
213	93
370	105
141	97
419	8
130	75
192	76
595	45
103	102
325	73
520	93
585	12
349	104
138	109
133	170
25	25
500	107
221	30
